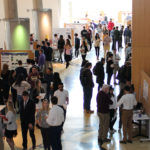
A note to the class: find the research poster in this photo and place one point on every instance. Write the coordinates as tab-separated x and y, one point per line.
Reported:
145	90
12	59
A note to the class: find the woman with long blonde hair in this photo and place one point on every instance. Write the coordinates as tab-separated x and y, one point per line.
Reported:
41	121
10	121
36	97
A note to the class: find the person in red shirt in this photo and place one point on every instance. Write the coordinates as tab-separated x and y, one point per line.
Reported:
110	26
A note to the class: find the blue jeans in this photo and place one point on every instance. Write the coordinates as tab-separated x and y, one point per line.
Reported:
88	91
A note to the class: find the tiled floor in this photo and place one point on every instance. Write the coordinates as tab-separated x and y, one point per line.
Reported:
80	130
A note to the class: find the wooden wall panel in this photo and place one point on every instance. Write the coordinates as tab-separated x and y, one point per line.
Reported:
146	102
147	23
140	43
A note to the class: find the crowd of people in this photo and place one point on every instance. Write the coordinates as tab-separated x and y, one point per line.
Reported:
34	87
31	92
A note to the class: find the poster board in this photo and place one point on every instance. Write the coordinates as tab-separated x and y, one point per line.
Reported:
11	57
65	32
145	92
77	27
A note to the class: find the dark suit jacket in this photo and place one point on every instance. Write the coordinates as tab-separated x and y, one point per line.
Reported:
48	54
27	114
77	43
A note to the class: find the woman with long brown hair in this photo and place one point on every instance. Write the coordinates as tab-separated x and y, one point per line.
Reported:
68	55
36	97
41	121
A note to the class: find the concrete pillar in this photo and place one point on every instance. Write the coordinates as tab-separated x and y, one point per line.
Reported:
37	4
42	21
15	26
10	7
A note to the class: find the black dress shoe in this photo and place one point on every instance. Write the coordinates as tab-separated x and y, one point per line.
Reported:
100	141
123	142
129	141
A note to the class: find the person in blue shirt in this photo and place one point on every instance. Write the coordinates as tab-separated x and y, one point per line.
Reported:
41	62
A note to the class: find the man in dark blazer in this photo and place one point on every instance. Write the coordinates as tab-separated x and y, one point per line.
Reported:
99	72
27	117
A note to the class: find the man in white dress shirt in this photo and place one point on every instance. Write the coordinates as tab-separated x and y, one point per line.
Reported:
55	120
128	101
63	97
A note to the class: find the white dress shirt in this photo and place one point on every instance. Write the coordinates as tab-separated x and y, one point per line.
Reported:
62	97
11	123
116	58
55	116
114	105
128	101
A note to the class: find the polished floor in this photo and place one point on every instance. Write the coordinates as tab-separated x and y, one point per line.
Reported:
80	130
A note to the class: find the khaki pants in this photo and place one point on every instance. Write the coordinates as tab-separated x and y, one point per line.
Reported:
1	143
48	64
103	125
106	48
127	116
116	68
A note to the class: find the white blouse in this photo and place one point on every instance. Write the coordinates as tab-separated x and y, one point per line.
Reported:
11	123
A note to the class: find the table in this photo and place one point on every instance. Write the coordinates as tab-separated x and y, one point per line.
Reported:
142	117
2	107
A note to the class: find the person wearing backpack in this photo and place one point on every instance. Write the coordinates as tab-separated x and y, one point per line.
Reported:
88	84
98	71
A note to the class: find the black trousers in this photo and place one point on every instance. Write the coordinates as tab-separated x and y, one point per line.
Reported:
109	78
113	43
55	137
83	57
24	128
100	84
97	51
120	42
45	137
112	119
76	52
